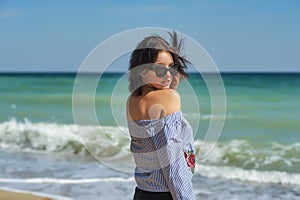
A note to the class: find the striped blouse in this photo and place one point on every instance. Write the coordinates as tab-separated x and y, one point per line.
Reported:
162	150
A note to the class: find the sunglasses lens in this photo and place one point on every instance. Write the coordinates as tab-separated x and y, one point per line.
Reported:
173	70
160	71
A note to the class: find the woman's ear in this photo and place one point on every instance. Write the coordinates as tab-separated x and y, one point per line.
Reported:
143	73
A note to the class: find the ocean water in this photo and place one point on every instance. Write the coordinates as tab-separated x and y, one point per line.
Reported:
44	149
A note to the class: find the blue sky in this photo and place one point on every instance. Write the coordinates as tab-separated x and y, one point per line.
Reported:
248	35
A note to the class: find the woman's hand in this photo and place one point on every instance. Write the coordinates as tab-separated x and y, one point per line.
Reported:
175	81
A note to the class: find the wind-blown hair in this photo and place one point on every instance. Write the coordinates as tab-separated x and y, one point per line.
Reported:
147	52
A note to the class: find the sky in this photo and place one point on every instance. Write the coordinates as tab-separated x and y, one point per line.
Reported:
239	35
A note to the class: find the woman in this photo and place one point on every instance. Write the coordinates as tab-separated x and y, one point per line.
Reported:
161	139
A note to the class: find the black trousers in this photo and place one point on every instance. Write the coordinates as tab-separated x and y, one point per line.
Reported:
145	195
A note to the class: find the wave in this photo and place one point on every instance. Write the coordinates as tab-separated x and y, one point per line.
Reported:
265	156
231	173
268	162
113	143
65	138
235	173
234	159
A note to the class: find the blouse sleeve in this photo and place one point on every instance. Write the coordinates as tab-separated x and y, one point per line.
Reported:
169	146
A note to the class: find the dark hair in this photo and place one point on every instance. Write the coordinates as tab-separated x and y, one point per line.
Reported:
147	52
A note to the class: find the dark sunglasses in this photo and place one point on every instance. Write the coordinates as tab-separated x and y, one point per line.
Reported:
161	70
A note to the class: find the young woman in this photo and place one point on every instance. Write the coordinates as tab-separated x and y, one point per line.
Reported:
161	139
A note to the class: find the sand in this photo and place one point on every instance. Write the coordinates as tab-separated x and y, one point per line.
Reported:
16	195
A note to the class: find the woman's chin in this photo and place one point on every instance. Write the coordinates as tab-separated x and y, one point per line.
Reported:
165	84
161	86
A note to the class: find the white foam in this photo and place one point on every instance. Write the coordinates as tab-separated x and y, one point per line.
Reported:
230	159
36	136
235	173
204	116
241	153
70	138
65	181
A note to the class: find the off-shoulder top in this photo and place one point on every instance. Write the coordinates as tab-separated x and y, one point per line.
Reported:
163	150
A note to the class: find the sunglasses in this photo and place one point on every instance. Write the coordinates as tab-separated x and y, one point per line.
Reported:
161	70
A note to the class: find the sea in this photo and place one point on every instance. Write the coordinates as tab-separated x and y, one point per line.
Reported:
72	143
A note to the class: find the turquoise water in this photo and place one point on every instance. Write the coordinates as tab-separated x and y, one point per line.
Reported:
260	107
259	142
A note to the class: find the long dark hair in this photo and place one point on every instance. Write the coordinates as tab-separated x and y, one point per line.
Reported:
147	52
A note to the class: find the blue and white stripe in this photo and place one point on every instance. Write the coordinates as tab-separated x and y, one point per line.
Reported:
157	147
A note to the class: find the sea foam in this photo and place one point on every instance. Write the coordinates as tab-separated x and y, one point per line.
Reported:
234	159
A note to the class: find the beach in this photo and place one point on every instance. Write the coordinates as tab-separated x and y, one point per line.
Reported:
43	152
20	195
12	195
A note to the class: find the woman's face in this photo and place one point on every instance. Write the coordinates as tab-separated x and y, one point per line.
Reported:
164	59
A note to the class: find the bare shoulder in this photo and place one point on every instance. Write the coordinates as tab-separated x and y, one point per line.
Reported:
153	105
162	95
165	101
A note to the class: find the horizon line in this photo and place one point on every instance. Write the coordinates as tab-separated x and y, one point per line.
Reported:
119	72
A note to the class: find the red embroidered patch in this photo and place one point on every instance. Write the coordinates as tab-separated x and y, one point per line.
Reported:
190	160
